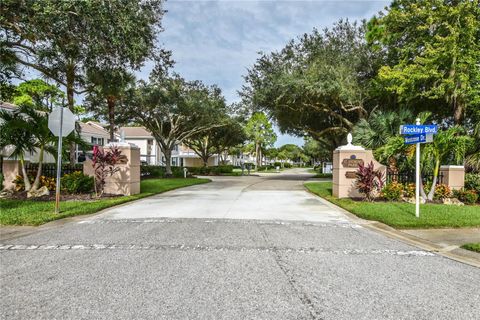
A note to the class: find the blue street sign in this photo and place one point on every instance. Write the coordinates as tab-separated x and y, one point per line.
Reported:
412	139
418	129
418	138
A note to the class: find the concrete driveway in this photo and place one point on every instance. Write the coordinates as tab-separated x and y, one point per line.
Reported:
237	248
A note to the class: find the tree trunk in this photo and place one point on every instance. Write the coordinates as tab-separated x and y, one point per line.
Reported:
257	162
205	158
168	166
71	104
434	182
111	116
26	182
36	183
458	111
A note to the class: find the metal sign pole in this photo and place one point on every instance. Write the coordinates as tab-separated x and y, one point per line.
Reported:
59	164
417	177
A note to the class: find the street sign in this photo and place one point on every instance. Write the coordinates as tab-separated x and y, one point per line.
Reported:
54	119
418	129
419	138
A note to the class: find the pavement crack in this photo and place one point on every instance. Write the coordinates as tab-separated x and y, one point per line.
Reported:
301	294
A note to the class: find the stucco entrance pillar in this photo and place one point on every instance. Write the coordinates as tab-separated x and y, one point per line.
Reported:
345	163
127	180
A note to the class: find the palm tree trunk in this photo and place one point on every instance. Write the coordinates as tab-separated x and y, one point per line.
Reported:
26	182
71	104
434	182
36	183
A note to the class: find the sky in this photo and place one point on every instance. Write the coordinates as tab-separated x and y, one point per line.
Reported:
217	41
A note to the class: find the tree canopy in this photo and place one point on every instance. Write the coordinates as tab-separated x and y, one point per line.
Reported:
317	85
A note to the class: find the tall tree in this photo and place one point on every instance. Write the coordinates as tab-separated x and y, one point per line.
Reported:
107	90
175	110
317	85
260	132
63	39
433	49
217	140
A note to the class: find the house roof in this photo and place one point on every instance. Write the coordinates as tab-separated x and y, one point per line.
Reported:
135	132
93	128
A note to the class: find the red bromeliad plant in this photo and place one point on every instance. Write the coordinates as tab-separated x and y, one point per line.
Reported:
104	166
369	181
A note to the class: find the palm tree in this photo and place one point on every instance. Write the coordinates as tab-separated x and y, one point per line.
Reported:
448	146
381	125
108	87
16	136
472	161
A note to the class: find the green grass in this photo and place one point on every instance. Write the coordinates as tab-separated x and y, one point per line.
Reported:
472	246
28	212
401	214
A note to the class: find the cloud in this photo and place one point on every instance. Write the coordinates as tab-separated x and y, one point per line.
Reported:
216	41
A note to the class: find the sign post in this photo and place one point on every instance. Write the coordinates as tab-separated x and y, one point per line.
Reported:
61	122
417	176
416	134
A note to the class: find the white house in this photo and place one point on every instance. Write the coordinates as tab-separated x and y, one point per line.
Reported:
150	151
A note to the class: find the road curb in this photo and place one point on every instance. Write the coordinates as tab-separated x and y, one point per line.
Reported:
450	252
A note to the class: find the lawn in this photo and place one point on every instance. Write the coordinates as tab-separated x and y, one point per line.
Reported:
28	212
401	214
472	247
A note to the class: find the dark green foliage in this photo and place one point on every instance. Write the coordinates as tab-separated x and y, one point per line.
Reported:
472	182
466	196
77	182
152	171
287	165
216	170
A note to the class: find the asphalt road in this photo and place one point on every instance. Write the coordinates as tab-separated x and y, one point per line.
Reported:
237	248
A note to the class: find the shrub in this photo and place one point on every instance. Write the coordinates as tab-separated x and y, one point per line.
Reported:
442	191
393	191
151	171
277	164
472	182
77	182
105	165
409	190
369	180
287	165
466	196
216	170
48	182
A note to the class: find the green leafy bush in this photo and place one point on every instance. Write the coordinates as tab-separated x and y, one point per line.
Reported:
466	196
287	165
442	191
392	191
48	182
277	164
472	182
77	182
216	170
153	171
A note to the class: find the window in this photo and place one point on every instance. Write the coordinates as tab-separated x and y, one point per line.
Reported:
97	141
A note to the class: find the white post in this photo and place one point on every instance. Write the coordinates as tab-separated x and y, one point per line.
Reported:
417	177
59	164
